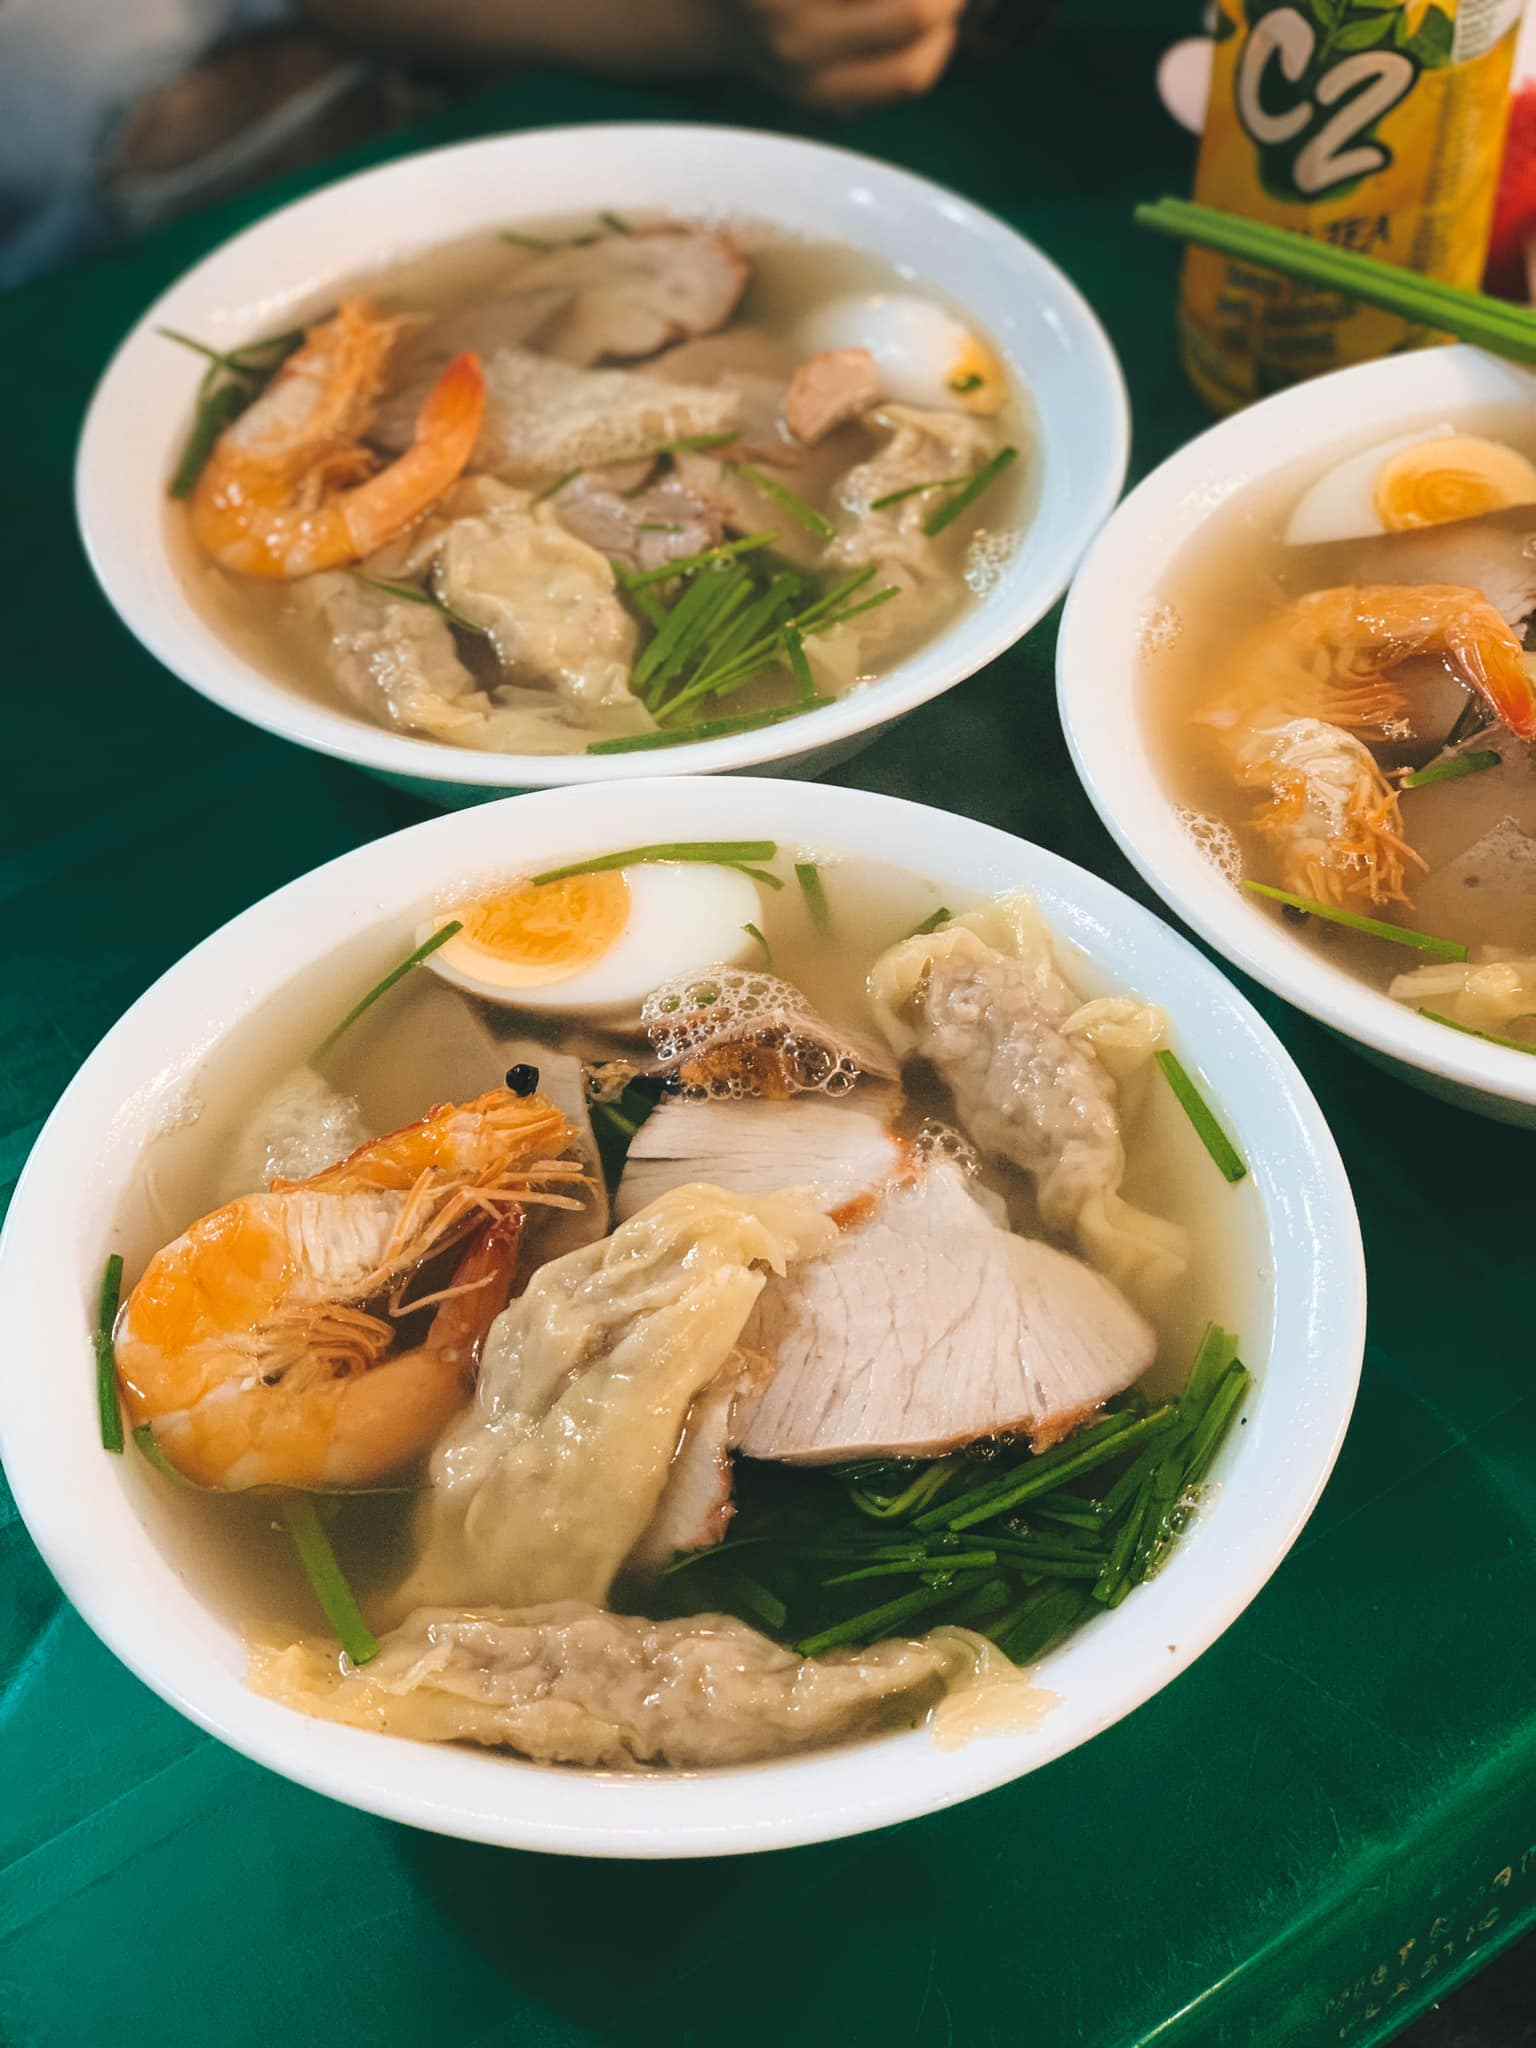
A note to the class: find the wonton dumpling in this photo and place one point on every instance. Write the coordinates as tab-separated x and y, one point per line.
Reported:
984	1001
548	1481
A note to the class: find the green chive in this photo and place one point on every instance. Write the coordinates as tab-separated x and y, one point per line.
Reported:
963	499
1041	1482
553	490
658	526
108	1407
709	729
752	931
1050	1616
940	483
1452	771
800	668
616	223
617	1118
680	628
150	1451
520	240
726	552
808	875
878	1620
214	414
971	382
927	1486
1488	1037
327	1580
1198	1110
763	875
1207	1439
895	1570
412	593
930	923
714	852
429	946
1401	935
804	515
695	444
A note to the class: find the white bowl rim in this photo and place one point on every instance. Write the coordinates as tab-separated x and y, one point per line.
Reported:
228	681
1152	524
129	1593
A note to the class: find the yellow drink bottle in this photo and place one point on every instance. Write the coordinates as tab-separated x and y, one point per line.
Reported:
1377	125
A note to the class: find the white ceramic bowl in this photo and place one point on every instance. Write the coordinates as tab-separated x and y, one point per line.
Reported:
1298	1275
1099	685
287	267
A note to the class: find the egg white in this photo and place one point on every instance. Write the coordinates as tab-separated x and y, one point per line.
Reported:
1341	505
918	347
683	916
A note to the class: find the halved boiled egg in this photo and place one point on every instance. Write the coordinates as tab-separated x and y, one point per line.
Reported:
1414	480
596	945
924	354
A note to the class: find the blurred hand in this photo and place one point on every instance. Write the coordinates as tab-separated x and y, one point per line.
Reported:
844	55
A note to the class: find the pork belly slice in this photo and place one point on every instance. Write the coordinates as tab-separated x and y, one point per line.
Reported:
840	1151
927	1327
633	295
664	522
828	390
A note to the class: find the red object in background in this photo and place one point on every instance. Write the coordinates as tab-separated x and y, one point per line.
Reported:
1514	213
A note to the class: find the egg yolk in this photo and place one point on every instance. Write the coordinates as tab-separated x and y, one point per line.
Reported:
976	378
1458	477
541	931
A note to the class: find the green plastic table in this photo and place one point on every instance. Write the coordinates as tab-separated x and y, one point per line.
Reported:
1314	1832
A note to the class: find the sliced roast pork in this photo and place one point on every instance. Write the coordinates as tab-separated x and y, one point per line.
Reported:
828	390
839	1151
926	1327
633	295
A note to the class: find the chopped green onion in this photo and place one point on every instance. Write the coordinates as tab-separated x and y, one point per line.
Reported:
1488	1037
808	875
617	1118
1052	1614
1035	1481
972	381
945	514
682	628
726	552
327	1580
874	1623
800	668
616	223
1452	771
553	490
895	1568
1474	316
658	526
940	483
1200	1114
764	1605
715	852
709	729
108	1407
150	1451
763	875
695	444
520	240
1401	935
930	923
412	593
804	515
752	932
380	988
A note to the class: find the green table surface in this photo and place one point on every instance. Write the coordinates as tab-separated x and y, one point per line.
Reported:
1311	1834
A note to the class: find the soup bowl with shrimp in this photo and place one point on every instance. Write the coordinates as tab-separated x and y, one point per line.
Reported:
386	1463
1317	618
485	494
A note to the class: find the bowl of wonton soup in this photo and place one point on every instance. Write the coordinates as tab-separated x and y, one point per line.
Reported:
1197	525
1068	400
1280	1263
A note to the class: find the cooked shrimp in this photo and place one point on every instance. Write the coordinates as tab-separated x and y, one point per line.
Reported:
250	1345
1318	676
288	490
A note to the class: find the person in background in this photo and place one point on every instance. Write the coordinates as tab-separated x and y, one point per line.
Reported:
115	117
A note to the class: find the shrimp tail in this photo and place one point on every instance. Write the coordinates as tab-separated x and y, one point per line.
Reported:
447	428
1501	675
